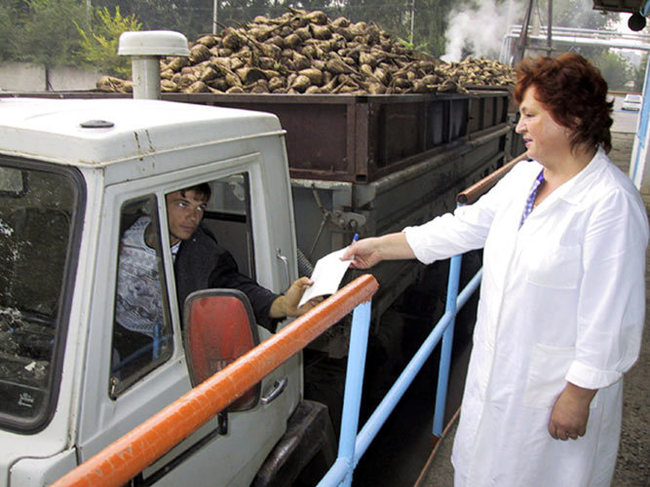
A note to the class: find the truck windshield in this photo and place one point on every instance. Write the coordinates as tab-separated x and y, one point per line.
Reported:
37	211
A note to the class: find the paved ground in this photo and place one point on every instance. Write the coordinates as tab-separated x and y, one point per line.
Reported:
633	466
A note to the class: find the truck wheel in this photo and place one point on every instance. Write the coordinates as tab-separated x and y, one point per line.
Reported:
305	452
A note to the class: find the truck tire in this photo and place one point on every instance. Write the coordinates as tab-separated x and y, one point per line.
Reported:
305	452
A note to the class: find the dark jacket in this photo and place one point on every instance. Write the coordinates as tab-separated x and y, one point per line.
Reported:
201	263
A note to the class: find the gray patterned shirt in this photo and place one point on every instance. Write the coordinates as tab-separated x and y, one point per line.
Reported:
139	301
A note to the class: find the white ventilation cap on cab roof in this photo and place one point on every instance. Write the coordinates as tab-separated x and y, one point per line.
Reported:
146	48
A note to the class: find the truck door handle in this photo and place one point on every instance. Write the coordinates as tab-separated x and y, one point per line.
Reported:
278	387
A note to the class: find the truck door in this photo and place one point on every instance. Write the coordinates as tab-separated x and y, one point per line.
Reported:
135	359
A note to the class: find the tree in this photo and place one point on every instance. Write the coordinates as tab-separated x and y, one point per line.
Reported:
47	34
98	45
8	32
190	17
614	68
576	13
638	73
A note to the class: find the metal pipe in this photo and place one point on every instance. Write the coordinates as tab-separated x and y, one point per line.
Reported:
336	473
474	192
145	71
581	31
468	290
586	41
353	388
412	23
145	49
549	35
386	406
215	14
447	340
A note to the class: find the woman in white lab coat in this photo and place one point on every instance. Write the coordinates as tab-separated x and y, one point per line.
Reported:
562	298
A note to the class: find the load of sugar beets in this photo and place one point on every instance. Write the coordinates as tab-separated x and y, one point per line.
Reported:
304	52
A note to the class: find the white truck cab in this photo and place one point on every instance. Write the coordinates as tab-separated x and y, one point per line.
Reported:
74	175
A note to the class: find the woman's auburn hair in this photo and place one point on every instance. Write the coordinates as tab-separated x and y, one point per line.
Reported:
574	92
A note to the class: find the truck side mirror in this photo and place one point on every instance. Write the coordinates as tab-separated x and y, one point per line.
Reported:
219	327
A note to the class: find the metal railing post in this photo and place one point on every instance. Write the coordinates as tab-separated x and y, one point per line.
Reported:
352	397
447	340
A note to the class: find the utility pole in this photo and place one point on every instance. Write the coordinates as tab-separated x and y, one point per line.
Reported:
412	21
215	8
549	29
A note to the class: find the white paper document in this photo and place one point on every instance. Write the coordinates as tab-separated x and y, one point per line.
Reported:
327	275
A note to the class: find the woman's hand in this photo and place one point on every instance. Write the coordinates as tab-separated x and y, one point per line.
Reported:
370	251
363	253
571	412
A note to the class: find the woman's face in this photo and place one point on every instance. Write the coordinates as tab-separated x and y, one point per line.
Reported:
546	140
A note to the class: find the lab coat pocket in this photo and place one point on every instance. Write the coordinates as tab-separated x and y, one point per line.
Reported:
557	267
546	375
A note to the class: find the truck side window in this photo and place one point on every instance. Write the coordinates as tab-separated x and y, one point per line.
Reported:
142	333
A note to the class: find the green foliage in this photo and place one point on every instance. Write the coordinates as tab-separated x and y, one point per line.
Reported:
190	17
638	75
98	45
576	13
614	68
8	32
406	43
47	33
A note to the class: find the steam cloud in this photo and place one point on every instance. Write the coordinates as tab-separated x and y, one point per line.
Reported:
481	30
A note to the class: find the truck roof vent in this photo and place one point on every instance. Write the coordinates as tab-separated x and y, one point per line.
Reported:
146	48
97	124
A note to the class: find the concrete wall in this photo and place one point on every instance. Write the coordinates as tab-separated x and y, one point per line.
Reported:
33	77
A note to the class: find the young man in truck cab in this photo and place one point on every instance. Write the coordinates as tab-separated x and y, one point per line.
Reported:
199	263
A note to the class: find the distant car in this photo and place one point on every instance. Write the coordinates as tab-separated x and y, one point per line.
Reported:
632	102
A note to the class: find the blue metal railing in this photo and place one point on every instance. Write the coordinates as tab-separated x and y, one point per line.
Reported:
352	446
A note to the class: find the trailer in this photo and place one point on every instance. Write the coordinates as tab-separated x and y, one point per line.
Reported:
370	165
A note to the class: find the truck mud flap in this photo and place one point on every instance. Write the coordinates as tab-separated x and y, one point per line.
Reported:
305	452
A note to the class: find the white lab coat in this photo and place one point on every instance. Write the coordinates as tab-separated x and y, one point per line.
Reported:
562	299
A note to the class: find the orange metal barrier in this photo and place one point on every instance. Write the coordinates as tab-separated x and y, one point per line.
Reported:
129	455
471	194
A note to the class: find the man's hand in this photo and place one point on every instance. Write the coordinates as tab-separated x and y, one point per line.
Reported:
287	304
571	412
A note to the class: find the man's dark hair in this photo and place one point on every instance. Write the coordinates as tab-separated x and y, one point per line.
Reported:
202	189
